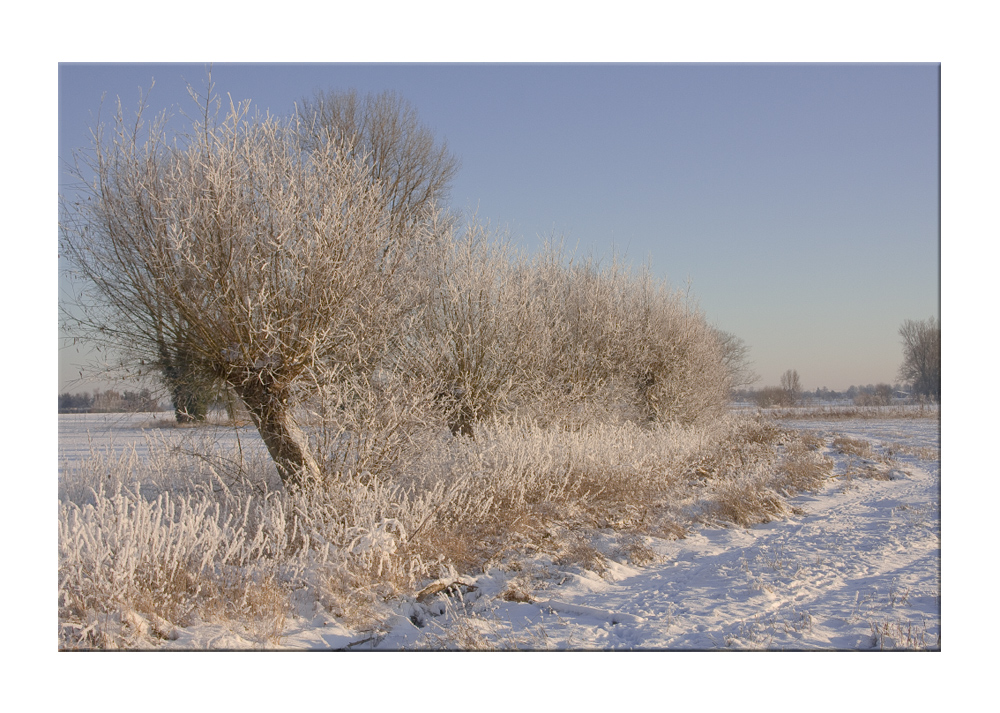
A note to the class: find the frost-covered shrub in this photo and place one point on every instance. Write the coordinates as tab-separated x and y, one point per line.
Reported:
613	343
677	358
803	469
578	331
519	487
471	343
158	560
745	497
560	339
368	423
747	479
137	561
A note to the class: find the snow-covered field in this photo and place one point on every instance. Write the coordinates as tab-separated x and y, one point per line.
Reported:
857	567
84	433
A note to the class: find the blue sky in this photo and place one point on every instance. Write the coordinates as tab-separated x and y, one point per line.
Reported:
801	200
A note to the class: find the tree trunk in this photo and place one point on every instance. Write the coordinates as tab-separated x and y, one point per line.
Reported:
270	408
189	390
190	405
646	387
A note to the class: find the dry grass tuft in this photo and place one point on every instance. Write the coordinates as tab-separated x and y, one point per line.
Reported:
866	461
853	446
520	588
264	608
579	552
810	441
633	548
905	636
802	469
746	499
925	453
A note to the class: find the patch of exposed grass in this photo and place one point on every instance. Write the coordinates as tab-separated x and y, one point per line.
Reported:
633	548
853	446
896	635
803	469
925	453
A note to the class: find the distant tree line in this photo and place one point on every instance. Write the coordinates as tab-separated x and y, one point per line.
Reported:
788	393
109	402
920	373
866	395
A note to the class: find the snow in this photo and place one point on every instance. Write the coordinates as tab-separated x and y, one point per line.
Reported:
82	434
858	568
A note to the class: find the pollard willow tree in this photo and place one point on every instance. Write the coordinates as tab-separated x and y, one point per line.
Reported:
385	134
263	262
473	337
608	335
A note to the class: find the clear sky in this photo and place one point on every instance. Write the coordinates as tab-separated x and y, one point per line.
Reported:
801	200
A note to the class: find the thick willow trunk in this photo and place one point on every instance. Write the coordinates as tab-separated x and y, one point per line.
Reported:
189	406
270	408
190	391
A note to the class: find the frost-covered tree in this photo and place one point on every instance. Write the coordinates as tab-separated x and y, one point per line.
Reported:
472	342
261	261
608	332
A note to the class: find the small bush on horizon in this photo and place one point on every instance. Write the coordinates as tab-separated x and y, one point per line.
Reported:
880	396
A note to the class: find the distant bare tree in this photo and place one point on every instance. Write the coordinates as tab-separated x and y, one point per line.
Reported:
791	385
921	365
260	260
736	356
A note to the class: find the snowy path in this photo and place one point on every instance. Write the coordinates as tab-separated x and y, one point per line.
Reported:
817	581
860	569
